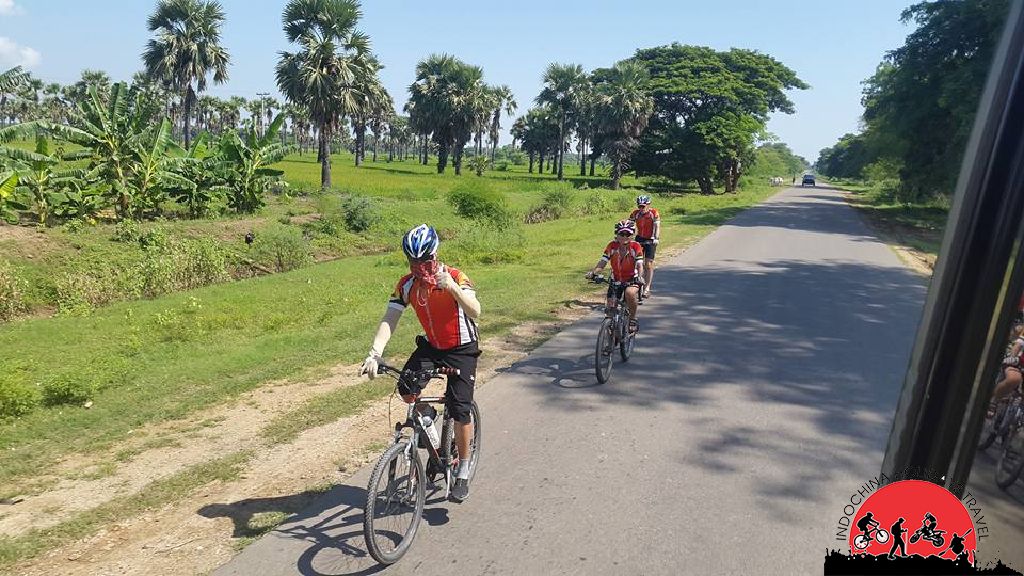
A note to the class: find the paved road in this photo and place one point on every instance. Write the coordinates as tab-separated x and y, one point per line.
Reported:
760	397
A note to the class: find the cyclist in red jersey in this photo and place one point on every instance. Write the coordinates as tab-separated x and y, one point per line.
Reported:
627	260
445	304
648	234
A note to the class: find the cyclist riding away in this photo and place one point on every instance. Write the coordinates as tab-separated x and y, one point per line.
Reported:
627	259
648	232
445	303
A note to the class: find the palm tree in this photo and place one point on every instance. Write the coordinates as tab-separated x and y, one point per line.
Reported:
563	86
507	103
321	77
442	104
623	110
186	49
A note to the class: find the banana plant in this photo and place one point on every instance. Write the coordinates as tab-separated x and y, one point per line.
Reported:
201	186
9	205
39	177
245	164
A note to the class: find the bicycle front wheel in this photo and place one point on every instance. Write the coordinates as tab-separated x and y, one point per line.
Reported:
626	344
603	351
395	497
1011	460
474	445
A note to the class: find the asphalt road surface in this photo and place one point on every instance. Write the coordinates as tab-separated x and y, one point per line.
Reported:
759	398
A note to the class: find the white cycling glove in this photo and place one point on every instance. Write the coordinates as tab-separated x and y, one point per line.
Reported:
370	366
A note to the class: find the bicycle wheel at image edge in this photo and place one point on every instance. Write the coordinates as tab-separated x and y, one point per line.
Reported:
448	442
603	351
393	511
1011	459
860	542
881	536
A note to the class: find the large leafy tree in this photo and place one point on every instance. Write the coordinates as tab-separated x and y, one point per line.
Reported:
538	133
708	108
847	158
565	85
622	108
919	106
323	75
443	103
186	49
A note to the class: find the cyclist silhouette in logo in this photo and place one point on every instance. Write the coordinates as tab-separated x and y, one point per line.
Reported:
897	532
866	523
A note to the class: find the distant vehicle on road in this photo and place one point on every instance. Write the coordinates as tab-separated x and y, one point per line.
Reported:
808	180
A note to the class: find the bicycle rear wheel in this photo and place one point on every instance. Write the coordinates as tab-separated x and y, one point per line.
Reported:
603	351
1011	460
395	497
452	452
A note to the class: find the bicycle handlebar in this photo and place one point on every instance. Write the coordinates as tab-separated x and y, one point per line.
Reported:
418	375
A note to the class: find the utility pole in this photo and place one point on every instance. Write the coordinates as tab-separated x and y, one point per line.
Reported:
262	96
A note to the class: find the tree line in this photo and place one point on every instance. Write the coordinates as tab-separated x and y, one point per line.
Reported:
682	113
920	103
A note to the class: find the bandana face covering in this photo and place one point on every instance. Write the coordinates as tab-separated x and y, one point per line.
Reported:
426	271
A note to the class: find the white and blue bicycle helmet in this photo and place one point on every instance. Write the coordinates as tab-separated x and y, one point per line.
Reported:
420	242
642	200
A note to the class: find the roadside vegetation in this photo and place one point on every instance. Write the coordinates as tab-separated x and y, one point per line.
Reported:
919	108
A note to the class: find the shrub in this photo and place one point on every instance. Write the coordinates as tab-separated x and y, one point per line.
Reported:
199	262
624	203
65	389
476	200
360	213
542	213
595	203
12	292
16	398
479	242
127	231
280	248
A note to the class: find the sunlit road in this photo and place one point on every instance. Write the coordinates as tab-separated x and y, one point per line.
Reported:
759	398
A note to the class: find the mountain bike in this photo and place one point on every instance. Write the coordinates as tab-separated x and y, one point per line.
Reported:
861	542
396	492
614	333
936	537
1011	434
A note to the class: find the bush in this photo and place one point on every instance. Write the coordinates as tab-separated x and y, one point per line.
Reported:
16	398
12	292
478	242
596	203
476	200
624	203
280	248
65	389
360	213
542	213
127	231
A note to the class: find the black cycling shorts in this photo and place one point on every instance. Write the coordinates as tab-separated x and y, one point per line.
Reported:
649	247
459	393
619	291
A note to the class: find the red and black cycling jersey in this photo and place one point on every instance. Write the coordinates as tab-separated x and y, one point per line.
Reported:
623	258
645	222
444	321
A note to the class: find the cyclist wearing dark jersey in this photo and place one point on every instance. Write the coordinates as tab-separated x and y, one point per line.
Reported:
445	304
648	234
627	259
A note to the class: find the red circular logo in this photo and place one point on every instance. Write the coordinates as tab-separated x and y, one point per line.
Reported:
913	518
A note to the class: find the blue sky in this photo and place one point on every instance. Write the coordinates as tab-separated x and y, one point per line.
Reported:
832	45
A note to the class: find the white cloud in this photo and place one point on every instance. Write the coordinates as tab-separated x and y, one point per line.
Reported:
8	7
11	54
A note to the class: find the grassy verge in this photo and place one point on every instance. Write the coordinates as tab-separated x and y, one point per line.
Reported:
918	226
